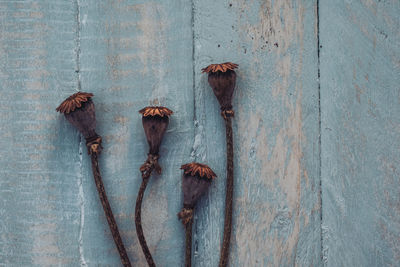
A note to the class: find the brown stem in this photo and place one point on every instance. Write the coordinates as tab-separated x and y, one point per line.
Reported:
223	262
188	245
138	216
107	209
186	216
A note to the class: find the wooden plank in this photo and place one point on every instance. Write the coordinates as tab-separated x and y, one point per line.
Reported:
360	98
40	160
276	131
134	54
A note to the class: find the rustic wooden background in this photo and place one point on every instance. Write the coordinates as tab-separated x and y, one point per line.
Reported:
317	129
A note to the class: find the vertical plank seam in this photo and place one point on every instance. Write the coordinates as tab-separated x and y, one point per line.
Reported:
320	134
193	69
195	132
81	196
192	153
78	44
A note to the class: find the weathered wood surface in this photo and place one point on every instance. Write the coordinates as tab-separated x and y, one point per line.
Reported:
276	209
131	54
40	165
360	104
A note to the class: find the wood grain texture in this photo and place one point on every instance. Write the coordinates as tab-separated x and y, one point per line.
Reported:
276	206
134	54
40	161
360	102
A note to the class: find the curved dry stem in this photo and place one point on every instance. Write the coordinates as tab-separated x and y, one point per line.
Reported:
107	210
223	262
138	217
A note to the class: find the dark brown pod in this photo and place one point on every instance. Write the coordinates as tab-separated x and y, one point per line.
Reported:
79	110
197	178
222	79
155	122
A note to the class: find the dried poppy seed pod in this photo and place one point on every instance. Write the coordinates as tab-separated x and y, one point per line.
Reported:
222	79
79	110
155	122
197	178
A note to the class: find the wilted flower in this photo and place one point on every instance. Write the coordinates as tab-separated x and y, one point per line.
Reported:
222	79
197	178
155	122
79	110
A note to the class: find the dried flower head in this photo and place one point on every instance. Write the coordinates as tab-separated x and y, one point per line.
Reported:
156	111
201	170
74	101
155	122
79	110
222	79
196	180
223	67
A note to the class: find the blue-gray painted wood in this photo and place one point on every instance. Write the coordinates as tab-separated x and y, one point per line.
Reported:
360	103
131	54
40	161
276	129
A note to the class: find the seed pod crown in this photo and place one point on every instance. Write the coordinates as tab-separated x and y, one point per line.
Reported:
73	102
199	169
156	111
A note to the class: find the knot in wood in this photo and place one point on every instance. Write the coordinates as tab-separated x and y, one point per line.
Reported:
186	215
227	113
150	164
94	145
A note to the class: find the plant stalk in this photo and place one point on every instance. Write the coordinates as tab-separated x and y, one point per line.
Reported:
107	210
138	216
188	243
223	262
